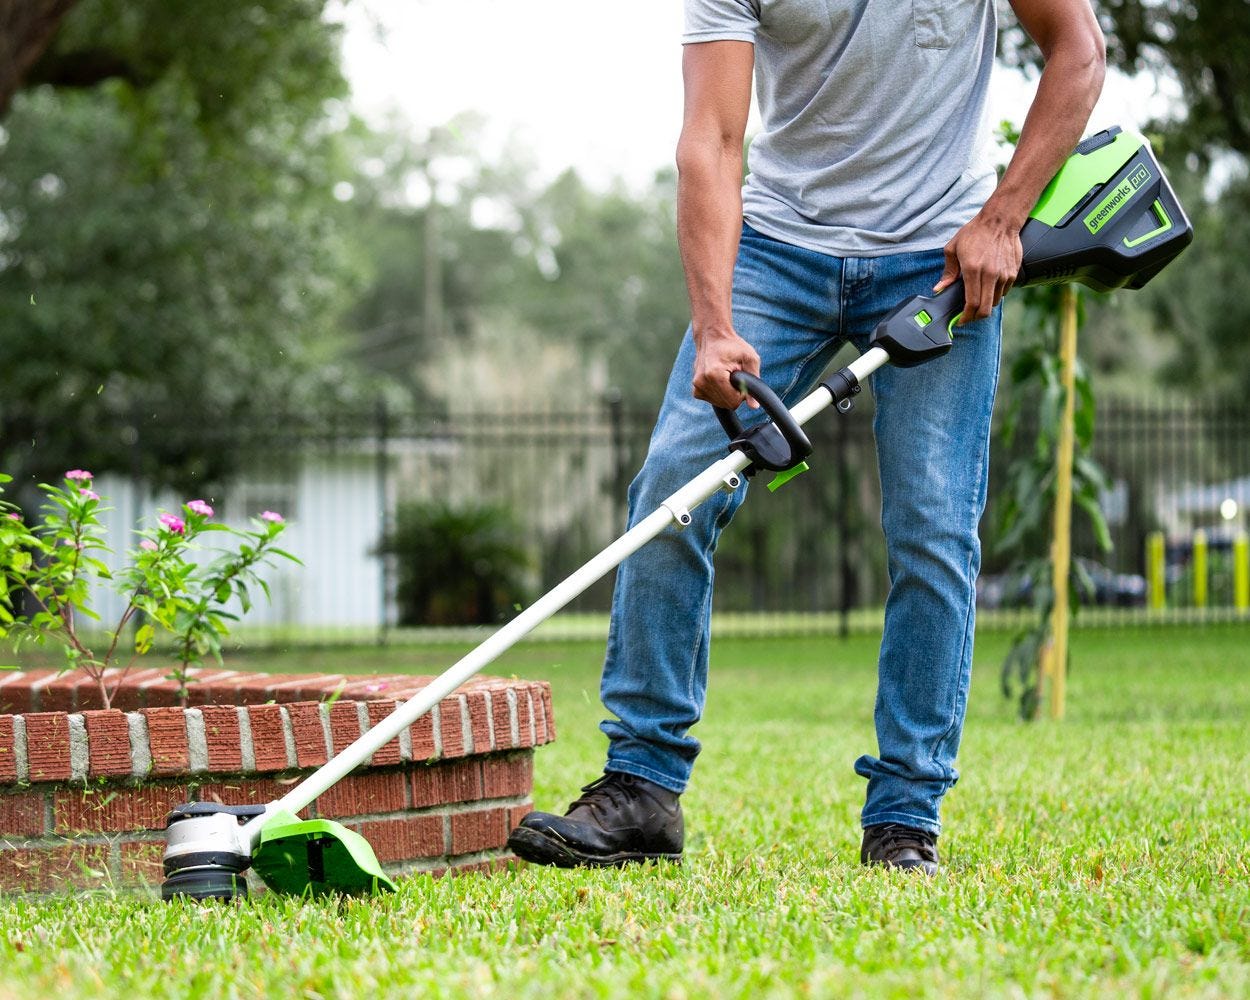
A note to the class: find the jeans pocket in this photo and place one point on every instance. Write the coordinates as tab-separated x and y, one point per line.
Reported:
941	23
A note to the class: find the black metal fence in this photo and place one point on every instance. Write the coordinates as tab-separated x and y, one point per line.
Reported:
811	556
807	558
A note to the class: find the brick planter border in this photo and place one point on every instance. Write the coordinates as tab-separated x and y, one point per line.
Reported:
84	791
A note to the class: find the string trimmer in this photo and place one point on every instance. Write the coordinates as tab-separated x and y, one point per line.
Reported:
1109	219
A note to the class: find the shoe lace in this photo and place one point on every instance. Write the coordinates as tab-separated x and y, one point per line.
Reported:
893	837
612	790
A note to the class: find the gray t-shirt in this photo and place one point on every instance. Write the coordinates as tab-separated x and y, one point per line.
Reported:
875	137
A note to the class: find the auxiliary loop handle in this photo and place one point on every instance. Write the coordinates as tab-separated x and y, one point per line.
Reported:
777	446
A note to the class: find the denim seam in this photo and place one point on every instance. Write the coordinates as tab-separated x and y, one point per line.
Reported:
970	598
705	614
906	819
624	766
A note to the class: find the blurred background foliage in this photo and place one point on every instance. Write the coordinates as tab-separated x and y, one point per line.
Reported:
192	221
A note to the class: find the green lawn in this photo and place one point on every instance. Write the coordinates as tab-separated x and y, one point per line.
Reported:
1106	855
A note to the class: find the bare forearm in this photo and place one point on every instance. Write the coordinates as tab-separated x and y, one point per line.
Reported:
709	223
1069	88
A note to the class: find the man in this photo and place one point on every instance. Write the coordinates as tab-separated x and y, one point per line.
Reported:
867	185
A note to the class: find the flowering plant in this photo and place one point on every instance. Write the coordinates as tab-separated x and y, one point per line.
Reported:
47	570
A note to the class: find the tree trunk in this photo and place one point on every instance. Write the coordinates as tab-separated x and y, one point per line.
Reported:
26	30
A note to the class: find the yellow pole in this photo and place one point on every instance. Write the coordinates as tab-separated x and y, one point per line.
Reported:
1061	543
1200	569
1241	572
1156	587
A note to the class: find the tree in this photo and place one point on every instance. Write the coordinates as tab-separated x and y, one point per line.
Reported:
26	29
172	259
1203	44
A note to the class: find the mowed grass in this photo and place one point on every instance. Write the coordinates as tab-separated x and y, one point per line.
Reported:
1103	856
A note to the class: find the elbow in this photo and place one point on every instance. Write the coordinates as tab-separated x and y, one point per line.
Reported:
701	155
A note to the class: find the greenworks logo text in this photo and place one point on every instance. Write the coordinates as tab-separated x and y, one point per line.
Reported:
1117	199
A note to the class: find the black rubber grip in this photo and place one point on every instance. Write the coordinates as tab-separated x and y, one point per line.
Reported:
921	328
765	454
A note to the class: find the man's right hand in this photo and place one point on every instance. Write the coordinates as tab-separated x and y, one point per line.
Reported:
720	353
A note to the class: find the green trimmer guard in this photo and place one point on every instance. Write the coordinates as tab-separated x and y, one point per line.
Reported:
316	856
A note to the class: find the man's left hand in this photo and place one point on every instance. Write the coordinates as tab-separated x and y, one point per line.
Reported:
987	254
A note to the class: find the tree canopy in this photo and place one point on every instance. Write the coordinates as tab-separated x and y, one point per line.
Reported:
171	253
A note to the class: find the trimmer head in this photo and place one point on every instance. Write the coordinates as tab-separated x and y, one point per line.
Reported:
204	858
206	855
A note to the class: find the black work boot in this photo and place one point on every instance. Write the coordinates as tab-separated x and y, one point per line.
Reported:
619	818
896	846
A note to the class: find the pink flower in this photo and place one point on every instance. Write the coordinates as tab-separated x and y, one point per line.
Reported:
14	517
79	475
174	524
148	545
271	517
90	494
199	507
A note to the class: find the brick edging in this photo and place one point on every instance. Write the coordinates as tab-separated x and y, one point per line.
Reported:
488	715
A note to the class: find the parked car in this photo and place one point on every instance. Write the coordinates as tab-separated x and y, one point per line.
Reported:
1111	589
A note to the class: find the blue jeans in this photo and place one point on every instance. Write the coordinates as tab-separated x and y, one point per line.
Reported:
932	423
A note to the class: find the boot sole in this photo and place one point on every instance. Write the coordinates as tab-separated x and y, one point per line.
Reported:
541	849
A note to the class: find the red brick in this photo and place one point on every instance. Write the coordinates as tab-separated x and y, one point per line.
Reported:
507	777
221	733
15	690
129	697
22	815
479	721
439	784
501	718
389	753
364	794
268	737
247	792
483	830
479	867
518	813
540	717
407	839
167	737
143	862
549	713
527	709
162	693
72	866
8	749
451	727
344	725
310	734
47	746
228	690
309	687
201	688
422	733
108	742
58	694
260	688
115	810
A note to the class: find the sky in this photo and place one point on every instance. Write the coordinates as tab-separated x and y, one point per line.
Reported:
580	83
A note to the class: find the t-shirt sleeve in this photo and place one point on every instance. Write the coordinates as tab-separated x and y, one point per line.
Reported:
719	20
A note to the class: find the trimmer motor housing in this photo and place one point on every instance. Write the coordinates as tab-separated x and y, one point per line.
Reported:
1109	219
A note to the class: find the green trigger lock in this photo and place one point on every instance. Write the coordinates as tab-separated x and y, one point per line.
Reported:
785	475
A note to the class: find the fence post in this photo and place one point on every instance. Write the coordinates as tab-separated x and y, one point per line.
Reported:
1156	589
382	471
1200	569
1241	572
